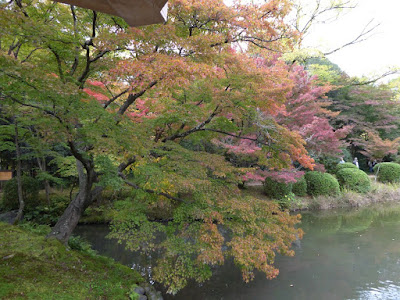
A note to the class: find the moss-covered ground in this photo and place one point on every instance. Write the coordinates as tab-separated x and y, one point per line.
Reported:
32	267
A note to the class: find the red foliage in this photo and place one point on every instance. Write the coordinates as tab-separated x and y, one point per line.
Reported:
305	113
99	96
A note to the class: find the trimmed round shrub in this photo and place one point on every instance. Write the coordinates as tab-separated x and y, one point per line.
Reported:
354	179
345	166
387	172
276	190
299	188
30	193
319	183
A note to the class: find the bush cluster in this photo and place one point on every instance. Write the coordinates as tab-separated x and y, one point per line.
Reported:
299	188
387	172
30	193
47	214
354	179
319	183
276	190
345	166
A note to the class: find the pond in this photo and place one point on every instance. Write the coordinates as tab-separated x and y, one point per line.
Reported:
344	255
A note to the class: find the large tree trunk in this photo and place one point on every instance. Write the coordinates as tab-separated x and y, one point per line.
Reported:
19	177
86	195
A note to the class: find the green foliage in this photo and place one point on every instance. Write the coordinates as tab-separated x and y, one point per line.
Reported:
354	179
299	188
43	176
34	228
109	171
78	243
30	192
66	166
301	55
387	172
132	293
276	190
319	183
346	165
47	213
329	163
288	200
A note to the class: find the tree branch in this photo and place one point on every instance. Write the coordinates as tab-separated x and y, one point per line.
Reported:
49	112
115	98
360	38
30	54
359	83
59	65
199	127
126	164
135	186
76	59
132	97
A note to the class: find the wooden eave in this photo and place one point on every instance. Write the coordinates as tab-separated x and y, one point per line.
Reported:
134	12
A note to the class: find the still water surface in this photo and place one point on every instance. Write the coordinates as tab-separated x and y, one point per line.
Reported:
344	255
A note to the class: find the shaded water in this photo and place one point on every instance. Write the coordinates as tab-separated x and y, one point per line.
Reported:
343	255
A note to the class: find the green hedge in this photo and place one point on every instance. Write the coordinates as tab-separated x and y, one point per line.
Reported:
319	183
354	179
276	190
387	172
30	193
345	166
300	187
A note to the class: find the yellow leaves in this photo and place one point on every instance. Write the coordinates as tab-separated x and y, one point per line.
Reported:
264	230
211	242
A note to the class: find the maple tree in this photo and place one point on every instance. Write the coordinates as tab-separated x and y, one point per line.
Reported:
122	101
370	111
306	113
182	113
376	148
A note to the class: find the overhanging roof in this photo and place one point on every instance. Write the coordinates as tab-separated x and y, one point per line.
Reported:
135	12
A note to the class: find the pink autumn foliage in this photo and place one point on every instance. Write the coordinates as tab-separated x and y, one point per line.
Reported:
305	114
249	176
96	83
243	146
286	176
98	96
322	138
141	111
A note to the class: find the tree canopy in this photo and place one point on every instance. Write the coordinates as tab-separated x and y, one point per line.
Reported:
182	113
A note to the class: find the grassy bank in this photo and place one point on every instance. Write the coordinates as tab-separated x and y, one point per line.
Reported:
32	267
379	193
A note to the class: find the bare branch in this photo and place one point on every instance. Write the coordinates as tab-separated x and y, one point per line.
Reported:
357	82
364	35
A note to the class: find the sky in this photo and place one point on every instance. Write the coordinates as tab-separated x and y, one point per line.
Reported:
373	56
